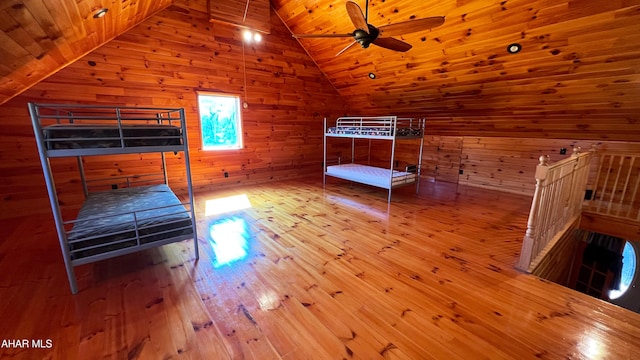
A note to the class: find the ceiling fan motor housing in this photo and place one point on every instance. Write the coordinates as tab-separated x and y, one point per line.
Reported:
364	38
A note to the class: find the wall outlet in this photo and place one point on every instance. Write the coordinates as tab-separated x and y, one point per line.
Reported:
226	174
563	151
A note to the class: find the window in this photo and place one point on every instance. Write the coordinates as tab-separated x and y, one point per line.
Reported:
220	121
628	271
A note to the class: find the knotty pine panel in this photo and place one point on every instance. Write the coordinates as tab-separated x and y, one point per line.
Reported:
163	62
575	78
430	157
557	264
508	164
251	14
39	38
449	156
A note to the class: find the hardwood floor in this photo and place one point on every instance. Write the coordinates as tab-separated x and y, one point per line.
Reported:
319	273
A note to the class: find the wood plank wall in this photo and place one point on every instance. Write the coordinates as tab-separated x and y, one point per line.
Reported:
251	14
557	265
508	164
499	163
163	62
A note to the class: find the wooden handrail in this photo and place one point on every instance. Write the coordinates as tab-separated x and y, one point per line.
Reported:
557	201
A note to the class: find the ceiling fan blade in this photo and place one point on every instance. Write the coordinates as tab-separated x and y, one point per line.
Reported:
392	44
407	27
303	36
357	17
346	48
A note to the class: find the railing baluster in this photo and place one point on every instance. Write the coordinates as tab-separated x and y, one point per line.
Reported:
633	197
595	194
604	186
615	185
626	185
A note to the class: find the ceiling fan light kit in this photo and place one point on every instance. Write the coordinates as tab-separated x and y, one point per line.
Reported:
366	34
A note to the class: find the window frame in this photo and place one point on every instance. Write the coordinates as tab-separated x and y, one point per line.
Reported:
239	144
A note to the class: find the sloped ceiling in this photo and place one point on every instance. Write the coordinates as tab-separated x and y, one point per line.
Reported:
37	38
579	68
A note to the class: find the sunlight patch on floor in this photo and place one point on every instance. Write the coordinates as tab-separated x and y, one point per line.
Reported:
226	204
229	239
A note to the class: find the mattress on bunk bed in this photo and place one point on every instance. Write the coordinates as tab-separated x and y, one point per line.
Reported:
373	131
81	136
107	220
371	175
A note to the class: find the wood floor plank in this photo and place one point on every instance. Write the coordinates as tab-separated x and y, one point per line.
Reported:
322	272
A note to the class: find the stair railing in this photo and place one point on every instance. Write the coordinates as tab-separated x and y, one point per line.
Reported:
617	187
557	202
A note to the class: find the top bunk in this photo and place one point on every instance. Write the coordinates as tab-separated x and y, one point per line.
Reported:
377	127
80	130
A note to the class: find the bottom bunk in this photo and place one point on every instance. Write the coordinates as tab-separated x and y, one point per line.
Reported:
374	176
121	221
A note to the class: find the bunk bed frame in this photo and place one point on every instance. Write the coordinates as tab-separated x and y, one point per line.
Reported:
120	214
390	128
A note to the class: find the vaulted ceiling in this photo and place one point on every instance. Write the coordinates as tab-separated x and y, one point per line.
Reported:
579	64
38	38
580	59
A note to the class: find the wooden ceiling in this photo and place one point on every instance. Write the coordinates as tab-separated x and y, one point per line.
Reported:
37	38
579	68
579	64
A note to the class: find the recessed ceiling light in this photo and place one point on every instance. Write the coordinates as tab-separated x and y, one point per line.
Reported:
100	13
514	48
372	75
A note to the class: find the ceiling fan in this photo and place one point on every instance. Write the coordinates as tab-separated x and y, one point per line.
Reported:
366	34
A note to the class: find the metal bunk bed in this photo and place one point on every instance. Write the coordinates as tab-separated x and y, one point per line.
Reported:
120	214
389	128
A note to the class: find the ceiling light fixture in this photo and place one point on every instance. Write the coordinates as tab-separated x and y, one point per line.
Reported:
372	75
100	13
514	48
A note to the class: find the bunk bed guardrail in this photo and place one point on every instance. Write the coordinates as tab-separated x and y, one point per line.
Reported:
382	126
71	129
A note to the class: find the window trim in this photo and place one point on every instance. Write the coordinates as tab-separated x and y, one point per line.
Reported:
239	122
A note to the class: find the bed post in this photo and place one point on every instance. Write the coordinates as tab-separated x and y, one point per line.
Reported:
324	161
394	124
53	196
183	124
422	127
